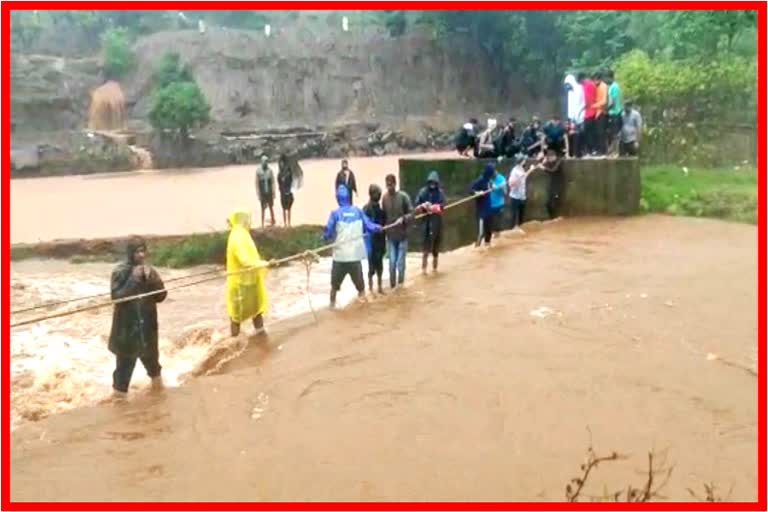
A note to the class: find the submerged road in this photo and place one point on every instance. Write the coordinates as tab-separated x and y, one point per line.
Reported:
478	383
174	201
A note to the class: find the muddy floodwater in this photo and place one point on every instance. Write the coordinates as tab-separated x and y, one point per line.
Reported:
478	383
174	201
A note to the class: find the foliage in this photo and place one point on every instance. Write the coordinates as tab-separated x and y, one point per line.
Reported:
686	89
211	248
728	194
177	102
396	23
171	70
118	55
179	106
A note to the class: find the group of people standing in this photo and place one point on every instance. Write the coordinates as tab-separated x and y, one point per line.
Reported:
493	188
380	229
289	178
598	123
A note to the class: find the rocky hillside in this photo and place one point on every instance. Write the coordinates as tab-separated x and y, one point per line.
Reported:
297	77
361	92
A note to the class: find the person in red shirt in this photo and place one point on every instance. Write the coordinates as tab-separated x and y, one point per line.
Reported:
601	114
590	93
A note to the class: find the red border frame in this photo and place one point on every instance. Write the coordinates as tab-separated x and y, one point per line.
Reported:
5	373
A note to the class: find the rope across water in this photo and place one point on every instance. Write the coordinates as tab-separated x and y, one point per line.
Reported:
308	257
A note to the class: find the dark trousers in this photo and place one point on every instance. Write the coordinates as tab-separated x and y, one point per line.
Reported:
627	149
121	377
601	134
517	207
554	186
485	227
588	136
340	270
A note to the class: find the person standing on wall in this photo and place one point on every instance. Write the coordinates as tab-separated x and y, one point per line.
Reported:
631	130
265	185
589	88
134	332
601	114
575	116
615	109
397	207
347	178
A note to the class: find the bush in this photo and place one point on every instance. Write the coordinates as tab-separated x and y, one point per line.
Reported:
170	71
179	107
117	53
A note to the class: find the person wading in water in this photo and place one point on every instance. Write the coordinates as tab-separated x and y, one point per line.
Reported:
265	185
134	330
246	291
431	200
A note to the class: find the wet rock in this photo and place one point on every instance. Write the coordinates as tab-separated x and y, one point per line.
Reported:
379	150
391	148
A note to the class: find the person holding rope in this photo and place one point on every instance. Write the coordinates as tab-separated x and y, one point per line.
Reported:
376	244
246	292
397	209
134	332
347	226
431	200
485	219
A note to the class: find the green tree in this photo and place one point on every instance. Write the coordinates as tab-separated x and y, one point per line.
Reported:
705	33
179	107
117	53
171	70
396	23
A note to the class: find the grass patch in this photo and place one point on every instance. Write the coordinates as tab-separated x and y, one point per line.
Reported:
212	248
729	194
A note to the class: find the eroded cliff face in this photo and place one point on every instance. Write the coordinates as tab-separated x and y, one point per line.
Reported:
362	92
51	93
292	78
296	76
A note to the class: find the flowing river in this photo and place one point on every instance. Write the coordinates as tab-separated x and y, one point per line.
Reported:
486	381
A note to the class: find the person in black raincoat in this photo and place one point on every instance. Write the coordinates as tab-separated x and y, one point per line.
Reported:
431	200
134	323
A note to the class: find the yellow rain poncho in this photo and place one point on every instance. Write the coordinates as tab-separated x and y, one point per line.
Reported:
246	291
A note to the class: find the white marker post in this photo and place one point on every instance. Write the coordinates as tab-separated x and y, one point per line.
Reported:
267	29
345	24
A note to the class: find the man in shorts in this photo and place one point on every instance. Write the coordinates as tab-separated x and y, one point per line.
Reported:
347	226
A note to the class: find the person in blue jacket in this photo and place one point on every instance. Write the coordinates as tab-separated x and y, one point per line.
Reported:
482	185
497	200
348	225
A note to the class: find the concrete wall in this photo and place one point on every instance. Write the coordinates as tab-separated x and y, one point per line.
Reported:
590	187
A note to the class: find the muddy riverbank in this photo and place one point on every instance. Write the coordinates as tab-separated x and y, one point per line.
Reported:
474	384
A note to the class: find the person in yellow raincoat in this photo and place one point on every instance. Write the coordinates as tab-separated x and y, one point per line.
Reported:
246	291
